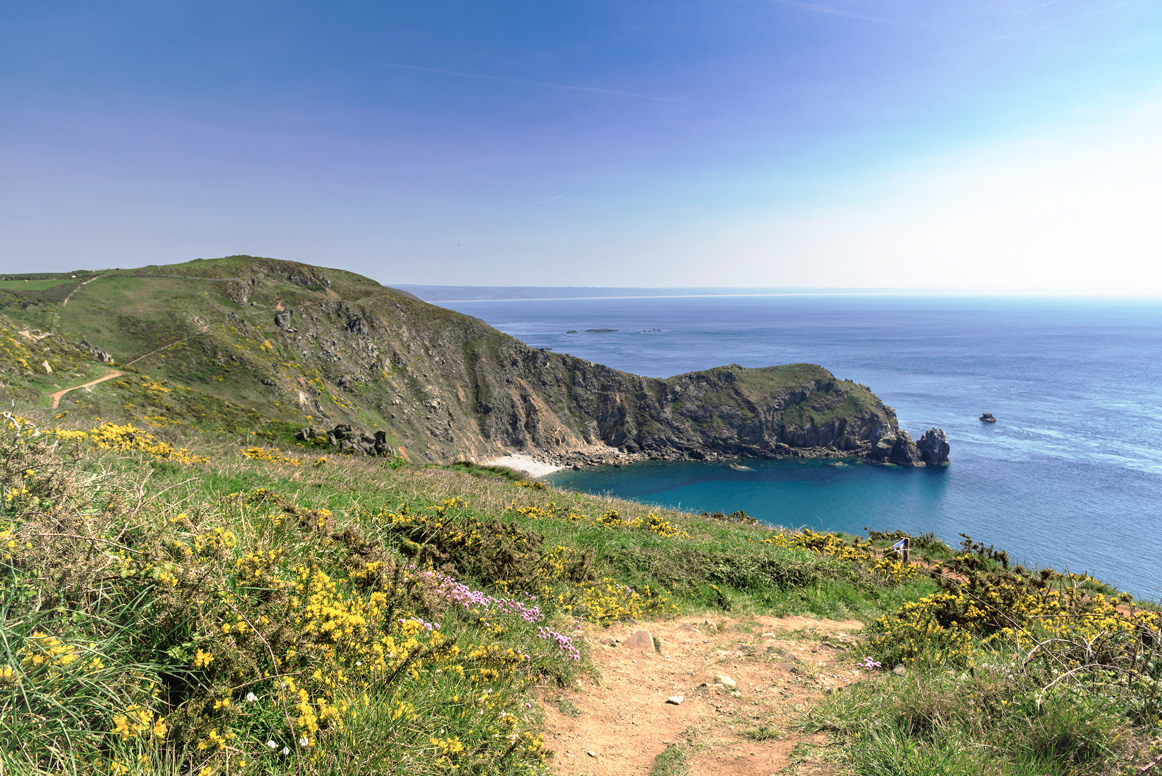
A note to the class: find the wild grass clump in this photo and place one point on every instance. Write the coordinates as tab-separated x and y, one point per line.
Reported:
1007	672
245	634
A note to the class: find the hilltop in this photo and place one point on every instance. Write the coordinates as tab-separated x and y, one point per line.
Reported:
267	346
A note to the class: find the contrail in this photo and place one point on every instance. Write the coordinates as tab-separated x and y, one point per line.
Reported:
1023	11
547	201
847	14
522	81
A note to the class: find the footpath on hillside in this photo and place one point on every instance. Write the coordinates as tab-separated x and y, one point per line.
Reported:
56	397
744	685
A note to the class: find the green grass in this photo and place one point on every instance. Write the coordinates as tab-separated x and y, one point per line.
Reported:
671	762
765	733
33	285
124	558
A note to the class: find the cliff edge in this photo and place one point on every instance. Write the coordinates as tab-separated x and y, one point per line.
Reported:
313	346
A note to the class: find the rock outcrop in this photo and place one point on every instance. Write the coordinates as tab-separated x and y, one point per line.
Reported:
344	439
933	447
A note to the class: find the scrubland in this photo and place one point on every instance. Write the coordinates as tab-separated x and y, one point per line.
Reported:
174	602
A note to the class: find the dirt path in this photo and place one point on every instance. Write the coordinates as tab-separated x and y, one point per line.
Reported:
781	668
170	345
56	397
80	285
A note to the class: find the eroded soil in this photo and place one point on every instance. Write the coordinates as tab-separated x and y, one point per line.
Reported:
780	668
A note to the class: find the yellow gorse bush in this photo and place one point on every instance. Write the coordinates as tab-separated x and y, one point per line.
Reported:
1012	609
611	518
888	567
272	456
138	722
128	438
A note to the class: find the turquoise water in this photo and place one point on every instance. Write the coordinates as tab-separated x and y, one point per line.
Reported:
1070	476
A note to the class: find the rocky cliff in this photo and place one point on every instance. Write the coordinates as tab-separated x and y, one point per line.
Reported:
320	346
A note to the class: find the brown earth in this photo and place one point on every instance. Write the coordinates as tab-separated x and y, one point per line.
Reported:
620	723
56	397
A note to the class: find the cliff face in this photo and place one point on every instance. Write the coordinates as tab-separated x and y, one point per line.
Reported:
322	346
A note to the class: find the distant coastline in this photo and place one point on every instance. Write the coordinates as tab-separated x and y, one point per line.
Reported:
451	294
551	293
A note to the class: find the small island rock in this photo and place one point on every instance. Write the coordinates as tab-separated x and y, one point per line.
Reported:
988	418
933	446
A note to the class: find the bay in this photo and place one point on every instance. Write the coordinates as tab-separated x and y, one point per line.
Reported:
1070	476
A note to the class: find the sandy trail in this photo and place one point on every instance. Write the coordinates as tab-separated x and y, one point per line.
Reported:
56	397
781	667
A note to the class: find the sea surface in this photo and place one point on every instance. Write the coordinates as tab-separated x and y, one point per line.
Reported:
1069	477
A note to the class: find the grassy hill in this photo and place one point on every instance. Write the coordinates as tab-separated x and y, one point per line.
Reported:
184	589
278	345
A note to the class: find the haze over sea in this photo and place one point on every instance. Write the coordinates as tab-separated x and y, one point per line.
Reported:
1070	476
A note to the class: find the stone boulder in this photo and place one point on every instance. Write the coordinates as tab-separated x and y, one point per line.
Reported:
904	452
344	439
933	446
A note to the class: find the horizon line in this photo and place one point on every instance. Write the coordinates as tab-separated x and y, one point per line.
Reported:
727	291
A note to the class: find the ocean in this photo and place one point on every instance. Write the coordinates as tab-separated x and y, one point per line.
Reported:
1069	477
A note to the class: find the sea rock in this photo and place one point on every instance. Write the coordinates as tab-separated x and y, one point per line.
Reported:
988	418
933	447
904	451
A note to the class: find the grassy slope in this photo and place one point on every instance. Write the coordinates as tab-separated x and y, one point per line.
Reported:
123	570
356	352
153	600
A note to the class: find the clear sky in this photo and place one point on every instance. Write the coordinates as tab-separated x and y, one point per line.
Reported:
991	144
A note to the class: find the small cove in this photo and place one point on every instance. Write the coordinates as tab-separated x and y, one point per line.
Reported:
1070	476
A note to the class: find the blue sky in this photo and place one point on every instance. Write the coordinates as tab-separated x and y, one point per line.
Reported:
996	145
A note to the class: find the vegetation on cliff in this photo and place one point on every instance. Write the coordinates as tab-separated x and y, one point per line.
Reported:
273	345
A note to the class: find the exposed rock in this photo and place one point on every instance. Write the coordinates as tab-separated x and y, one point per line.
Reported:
988	418
675	699
98	354
282	319
904	451
641	640
725	681
933	446
344	439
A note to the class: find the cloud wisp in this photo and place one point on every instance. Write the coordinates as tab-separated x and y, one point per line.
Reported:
826	9
504	79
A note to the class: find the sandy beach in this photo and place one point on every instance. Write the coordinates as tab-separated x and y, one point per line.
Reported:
525	463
